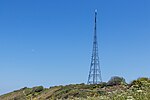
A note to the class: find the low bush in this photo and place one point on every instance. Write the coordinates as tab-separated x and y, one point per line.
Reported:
140	82
37	89
116	81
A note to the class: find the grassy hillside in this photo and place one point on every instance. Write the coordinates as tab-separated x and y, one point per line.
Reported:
115	89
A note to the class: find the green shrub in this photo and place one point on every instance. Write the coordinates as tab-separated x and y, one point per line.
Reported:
101	92
116	81
103	84
143	79
37	89
136	82
28	91
140	82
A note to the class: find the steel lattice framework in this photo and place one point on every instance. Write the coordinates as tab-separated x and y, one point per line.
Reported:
95	72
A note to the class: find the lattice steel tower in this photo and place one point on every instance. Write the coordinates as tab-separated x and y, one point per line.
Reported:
95	72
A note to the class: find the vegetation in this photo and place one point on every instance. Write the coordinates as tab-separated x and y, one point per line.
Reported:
116	81
115	89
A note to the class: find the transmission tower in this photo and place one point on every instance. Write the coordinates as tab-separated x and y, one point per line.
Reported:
95	72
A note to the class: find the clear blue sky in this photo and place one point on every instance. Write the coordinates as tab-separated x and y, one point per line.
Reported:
49	42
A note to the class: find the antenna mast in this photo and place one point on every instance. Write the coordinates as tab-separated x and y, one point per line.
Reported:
95	72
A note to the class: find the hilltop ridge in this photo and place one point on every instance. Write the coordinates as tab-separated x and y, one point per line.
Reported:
115	89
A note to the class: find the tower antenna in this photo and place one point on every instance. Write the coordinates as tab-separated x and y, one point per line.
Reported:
95	72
